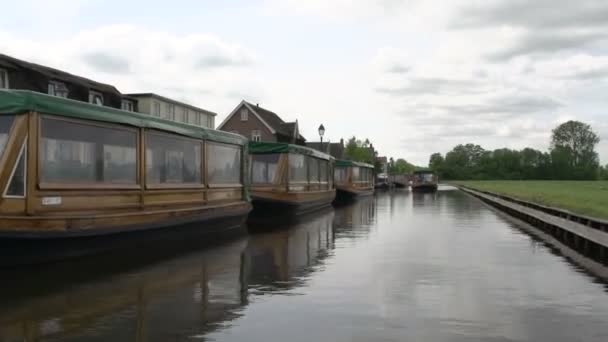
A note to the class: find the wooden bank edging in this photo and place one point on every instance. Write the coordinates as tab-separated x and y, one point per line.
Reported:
591	238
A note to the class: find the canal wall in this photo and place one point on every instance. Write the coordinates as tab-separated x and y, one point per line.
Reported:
586	235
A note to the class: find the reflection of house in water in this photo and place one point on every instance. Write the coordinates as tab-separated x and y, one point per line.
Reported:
172	300
282	259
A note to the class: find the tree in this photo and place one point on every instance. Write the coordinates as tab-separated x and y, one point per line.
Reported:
401	167
361	151
573	145
436	162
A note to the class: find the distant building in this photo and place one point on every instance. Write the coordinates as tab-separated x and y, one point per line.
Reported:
336	150
19	74
259	124
383	164
173	110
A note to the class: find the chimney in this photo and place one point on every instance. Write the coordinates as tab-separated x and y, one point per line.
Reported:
257	104
342	141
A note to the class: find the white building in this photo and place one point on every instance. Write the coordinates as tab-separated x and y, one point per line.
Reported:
169	109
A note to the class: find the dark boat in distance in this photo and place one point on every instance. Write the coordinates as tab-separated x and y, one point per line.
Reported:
289	180
424	181
70	169
353	179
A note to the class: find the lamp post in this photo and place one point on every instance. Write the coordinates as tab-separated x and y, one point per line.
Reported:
321	133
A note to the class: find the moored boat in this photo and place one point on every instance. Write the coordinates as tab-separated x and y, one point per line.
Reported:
353	179
424	180
70	169
289	179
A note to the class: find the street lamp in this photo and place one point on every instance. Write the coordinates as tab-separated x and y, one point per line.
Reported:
321	133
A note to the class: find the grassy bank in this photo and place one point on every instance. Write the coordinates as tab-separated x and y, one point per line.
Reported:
584	197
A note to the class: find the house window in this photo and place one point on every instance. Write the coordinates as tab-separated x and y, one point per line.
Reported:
127	105
58	89
256	135
169	113
210	122
95	98
179	114
244	114
156	111
3	79
197	119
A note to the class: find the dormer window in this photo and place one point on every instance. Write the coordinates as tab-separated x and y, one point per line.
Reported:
3	79
95	98
58	89
127	105
244	114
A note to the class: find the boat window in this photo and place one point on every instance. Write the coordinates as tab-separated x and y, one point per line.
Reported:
16	186
323	169
6	122
72	152
264	168
297	168
172	160
313	170
223	163
356	174
340	174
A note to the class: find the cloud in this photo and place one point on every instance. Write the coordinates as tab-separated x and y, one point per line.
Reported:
104	62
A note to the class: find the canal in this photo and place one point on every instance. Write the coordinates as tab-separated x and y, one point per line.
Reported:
399	266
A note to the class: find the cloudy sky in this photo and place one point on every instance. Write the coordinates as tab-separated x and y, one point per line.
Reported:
413	76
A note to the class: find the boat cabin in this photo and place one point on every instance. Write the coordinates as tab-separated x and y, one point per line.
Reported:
69	168
424	180
354	178
292	176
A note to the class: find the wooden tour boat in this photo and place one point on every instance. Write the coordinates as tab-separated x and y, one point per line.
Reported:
289	180
73	169
424	180
353	179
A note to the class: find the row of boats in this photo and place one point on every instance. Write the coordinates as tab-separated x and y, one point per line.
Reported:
73	170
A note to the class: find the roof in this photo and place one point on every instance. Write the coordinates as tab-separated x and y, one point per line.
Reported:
272	148
274	121
166	99
21	101
347	163
14	63
335	149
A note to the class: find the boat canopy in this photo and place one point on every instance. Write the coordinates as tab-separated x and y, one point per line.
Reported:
272	147
22	101
347	163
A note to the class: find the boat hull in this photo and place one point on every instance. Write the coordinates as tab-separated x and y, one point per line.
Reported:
351	193
285	204
424	187
29	246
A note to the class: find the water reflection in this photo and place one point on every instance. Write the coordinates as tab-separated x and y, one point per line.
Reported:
397	266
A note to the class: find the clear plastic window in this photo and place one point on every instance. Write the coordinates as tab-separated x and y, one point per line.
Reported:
172	160
223	163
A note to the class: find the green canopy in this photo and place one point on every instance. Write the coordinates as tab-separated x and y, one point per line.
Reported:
347	163
271	147
22	101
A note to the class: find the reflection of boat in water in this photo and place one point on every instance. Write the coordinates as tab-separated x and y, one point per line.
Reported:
280	259
356	218
124	297
289	179
424	181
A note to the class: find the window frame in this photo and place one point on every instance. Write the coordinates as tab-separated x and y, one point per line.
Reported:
241	168
256	135
156	109
78	186
22	153
93	94
244	114
130	103
4	76
55	84
156	186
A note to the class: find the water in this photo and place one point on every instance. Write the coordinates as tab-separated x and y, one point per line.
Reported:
397	267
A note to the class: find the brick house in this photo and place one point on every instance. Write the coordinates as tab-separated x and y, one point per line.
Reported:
336	150
260	124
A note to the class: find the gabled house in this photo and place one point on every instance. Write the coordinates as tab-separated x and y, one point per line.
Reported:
336	150
19	74
260	124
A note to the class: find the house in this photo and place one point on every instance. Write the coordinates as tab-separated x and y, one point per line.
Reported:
383	161
173	110
336	150
260	124
19	74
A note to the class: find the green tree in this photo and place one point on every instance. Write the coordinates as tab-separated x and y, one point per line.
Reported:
400	167
436	162
361	151
573	147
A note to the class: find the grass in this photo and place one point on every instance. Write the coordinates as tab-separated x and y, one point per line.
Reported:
588	198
